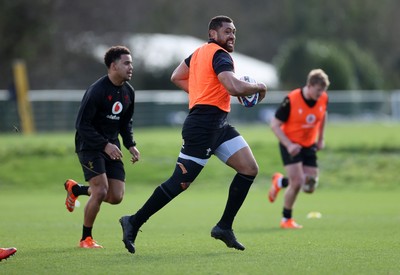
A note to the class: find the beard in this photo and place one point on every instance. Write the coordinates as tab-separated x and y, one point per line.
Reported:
228	47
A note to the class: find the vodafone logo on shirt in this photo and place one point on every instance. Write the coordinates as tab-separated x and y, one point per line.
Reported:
117	108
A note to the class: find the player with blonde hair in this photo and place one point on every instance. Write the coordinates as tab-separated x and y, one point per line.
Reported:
299	125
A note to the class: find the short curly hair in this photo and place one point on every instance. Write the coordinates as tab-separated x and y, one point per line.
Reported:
216	22
114	53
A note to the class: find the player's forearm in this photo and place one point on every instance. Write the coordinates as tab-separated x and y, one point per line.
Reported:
282	138
321	134
276	129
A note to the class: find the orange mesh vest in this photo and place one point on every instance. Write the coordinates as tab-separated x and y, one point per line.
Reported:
304	121
204	86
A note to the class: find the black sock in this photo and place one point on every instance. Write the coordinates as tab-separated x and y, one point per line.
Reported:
285	182
237	194
156	201
78	190
86	232
287	213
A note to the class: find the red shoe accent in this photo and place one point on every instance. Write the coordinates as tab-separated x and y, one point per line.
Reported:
290	224
274	189
7	252
70	200
89	243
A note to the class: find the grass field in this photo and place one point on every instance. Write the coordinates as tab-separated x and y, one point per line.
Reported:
358	197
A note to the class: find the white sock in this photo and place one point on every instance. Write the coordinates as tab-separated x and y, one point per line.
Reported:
280	182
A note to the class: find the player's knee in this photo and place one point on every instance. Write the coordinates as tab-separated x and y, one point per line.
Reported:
249	169
99	194
296	182
310	183
115	200
184	174
114	196
101	191
98	188
253	169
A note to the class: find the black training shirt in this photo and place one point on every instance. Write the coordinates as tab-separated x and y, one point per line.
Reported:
106	111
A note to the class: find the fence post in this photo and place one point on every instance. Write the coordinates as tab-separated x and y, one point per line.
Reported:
23	103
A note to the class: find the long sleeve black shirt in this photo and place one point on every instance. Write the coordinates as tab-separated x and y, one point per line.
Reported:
106	111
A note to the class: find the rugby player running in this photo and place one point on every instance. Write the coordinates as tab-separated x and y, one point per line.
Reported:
106	111
208	77
299	125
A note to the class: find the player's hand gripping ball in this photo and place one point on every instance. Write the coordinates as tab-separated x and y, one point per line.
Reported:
249	100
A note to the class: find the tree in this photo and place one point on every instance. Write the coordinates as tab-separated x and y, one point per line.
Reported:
25	31
43	31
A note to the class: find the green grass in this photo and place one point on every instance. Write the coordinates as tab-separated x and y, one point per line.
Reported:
358	198
357	234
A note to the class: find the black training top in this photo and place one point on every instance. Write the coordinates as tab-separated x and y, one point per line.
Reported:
106	110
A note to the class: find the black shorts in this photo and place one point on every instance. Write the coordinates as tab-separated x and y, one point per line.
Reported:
201	138
307	155
201	143
96	163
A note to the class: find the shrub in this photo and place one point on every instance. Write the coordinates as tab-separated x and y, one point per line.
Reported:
368	73
347	66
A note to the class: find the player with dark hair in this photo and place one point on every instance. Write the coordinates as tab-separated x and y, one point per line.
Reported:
299	125
106	111
208	77
7	252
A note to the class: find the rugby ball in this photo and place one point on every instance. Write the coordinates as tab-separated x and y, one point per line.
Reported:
249	100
